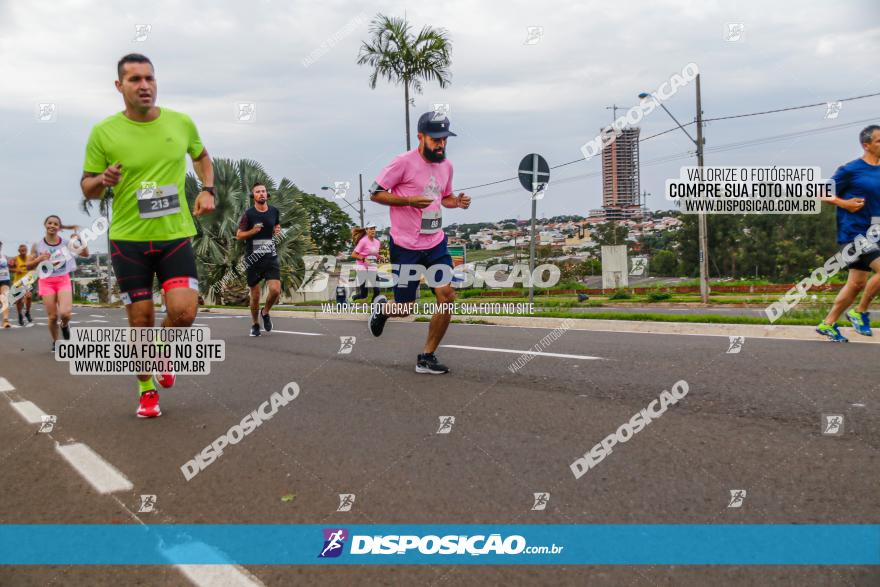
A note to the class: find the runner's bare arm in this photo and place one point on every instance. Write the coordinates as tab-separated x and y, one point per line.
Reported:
205	171
76	244
94	184
460	201
389	199
33	260
246	234
204	168
851	205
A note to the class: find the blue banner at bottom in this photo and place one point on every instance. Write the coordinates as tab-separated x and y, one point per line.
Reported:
533	544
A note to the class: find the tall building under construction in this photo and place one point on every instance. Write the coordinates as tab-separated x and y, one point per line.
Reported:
620	177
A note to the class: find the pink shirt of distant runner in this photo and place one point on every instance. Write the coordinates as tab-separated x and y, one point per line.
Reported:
367	247
410	175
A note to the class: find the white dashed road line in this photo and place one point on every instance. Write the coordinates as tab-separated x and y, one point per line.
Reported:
295	332
5	385
516	352
209	575
100	474
29	411
216	575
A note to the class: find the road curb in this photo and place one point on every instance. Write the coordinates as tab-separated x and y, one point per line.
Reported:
806	333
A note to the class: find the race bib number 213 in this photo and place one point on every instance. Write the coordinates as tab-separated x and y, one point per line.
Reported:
154	202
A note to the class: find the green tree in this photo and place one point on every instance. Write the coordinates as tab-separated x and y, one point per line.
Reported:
780	247
399	57
99	287
219	256
330	225
610	233
664	263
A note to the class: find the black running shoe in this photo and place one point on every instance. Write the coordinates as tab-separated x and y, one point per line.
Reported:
53	347
28	316
255	330
20	320
267	322
377	318
427	363
65	331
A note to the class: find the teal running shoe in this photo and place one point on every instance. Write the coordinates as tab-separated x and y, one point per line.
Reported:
831	331
861	322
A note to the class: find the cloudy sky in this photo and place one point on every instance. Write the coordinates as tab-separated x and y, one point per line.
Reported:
321	123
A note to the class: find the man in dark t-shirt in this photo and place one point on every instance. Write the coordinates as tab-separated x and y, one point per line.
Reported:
258	227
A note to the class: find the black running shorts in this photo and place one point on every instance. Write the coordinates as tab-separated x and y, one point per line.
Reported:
264	269
863	261
135	263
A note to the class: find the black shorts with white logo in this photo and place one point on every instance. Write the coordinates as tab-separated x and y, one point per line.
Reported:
136	262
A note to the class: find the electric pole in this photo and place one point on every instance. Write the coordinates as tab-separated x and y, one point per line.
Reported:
361	197
614	108
701	220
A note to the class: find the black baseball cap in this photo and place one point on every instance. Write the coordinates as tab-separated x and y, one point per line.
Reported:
435	126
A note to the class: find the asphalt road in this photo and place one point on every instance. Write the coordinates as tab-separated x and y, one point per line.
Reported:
366	424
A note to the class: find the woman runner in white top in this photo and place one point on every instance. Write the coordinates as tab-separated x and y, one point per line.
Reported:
53	257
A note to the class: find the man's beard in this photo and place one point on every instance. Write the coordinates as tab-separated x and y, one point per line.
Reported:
432	156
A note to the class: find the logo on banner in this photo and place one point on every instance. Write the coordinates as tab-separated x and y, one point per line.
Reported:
334	541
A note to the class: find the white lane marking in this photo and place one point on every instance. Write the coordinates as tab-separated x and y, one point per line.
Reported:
516	352
97	315
92	321
216	575
100	474
209	575
29	411
5	385
296	332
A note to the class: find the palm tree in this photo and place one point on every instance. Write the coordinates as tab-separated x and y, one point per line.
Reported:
219	255
399	57
105	206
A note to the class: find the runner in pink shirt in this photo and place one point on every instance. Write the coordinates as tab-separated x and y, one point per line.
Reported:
417	185
366	253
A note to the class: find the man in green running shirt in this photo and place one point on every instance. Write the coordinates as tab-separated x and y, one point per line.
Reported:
141	154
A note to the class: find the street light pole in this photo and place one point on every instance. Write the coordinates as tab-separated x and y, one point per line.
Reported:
701	219
361	195
702	227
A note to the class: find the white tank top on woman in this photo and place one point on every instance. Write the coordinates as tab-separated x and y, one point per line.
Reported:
61	259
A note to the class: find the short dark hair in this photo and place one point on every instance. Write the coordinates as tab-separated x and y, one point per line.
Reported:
256	184
867	133
131	58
